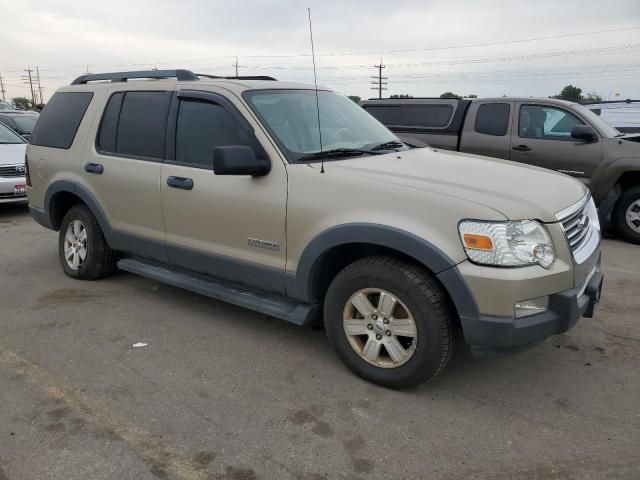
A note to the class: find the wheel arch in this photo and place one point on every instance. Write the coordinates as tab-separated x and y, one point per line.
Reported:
335	248
62	195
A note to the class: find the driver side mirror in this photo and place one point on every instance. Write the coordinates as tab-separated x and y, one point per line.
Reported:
239	160
583	132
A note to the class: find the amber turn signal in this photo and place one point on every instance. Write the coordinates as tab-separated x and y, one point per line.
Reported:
478	242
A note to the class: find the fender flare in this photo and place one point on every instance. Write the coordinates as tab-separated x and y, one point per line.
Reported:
300	285
83	194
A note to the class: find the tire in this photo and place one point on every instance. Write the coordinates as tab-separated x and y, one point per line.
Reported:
629	203
99	259
414	291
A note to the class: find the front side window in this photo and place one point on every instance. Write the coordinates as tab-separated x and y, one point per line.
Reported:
291	116
493	119
203	126
546	123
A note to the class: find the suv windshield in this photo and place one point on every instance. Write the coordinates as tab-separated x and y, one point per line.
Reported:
7	136
292	119
600	124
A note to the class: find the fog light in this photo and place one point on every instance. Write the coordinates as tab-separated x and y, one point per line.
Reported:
531	307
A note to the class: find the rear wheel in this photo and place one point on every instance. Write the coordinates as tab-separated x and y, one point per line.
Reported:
82	248
626	215
389	321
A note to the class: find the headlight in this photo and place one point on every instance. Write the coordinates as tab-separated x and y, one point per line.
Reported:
507	244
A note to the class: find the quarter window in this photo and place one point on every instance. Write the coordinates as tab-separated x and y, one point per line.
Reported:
493	119
546	123
203	126
59	121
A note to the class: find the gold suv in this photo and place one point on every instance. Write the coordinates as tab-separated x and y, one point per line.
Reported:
296	203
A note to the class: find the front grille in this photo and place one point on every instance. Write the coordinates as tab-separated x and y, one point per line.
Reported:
578	227
11	171
12	195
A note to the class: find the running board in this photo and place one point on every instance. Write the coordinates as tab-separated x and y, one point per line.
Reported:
267	303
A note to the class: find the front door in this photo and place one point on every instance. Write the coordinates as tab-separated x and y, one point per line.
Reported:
230	227
542	137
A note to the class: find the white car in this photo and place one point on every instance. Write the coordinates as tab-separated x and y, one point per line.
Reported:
13	184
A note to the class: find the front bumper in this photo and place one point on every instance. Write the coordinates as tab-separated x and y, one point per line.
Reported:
490	335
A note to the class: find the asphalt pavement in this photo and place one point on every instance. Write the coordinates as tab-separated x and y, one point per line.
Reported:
219	392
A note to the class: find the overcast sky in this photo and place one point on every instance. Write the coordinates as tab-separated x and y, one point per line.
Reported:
487	48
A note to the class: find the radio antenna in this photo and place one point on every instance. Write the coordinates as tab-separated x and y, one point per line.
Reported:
315	81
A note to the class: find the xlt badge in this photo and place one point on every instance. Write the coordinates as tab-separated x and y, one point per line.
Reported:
256	242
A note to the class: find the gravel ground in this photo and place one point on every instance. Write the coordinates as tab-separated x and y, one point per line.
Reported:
224	393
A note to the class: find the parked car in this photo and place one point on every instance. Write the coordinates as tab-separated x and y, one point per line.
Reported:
554	134
394	248
20	122
6	106
623	115
12	168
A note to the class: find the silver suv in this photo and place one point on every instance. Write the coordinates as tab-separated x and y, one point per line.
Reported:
298	204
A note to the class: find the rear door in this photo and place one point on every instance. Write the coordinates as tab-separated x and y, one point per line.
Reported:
542	136
123	168
232	227
487	129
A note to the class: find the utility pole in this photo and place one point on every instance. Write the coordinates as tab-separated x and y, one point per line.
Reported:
236	66
28	79
2	87
40	87
379	81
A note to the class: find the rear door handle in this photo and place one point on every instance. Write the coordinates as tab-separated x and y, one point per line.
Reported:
94	168
180	182
522	148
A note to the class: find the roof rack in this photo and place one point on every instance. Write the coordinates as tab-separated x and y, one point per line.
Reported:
241	77
180	75
593	102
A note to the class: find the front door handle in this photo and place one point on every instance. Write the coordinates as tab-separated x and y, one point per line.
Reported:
96	168
522	148
180	182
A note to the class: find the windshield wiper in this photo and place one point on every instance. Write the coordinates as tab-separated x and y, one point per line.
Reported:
388	145
336	152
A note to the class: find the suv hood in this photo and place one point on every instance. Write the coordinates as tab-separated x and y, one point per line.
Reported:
516	190
12	153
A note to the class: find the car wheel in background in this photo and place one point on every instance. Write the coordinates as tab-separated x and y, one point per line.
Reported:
626	215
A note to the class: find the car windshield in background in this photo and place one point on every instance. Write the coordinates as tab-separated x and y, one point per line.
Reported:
600	124
8	136
292	118
25	122
6	106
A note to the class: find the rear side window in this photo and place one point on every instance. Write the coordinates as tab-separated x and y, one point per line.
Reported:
427	116
493	119
59	121
135	124
203	126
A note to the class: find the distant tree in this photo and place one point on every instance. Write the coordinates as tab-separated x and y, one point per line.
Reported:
22	103
449	95
592	97
355	98
472	96
402	95
571	93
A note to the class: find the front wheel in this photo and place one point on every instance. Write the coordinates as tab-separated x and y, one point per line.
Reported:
389	321
626	215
